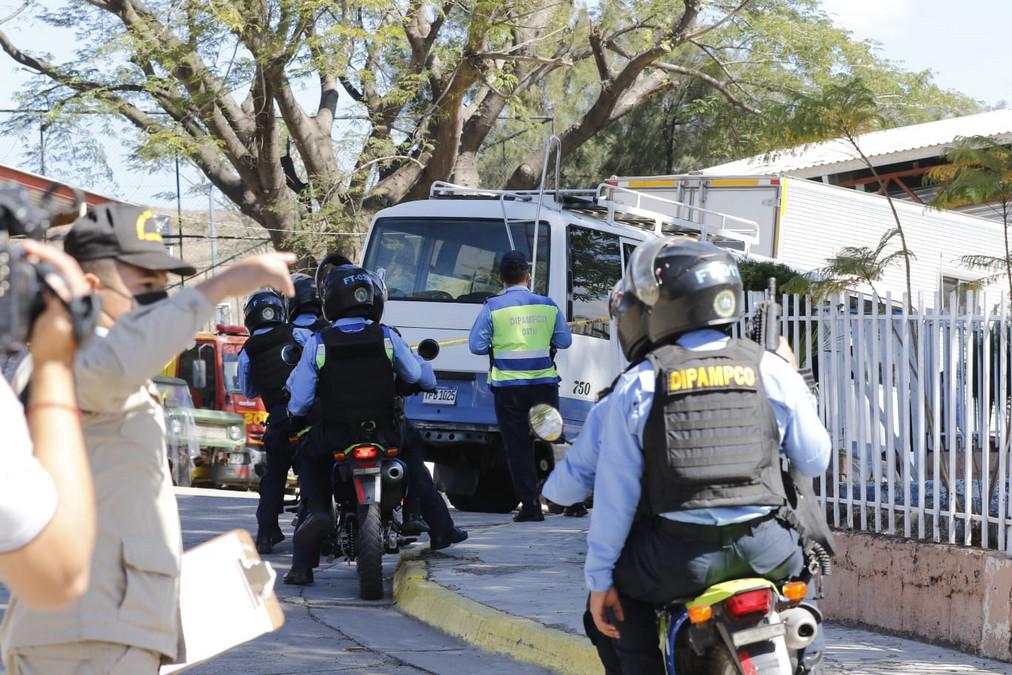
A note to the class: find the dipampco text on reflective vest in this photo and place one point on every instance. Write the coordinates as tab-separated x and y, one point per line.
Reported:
711	377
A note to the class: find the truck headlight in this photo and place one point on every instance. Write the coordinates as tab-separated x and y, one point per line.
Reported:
175	427
235	432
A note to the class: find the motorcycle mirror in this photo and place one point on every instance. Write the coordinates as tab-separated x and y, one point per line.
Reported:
545	422
428	349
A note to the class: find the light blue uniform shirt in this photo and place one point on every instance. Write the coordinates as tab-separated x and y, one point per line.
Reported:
621	419
480	339
300	332
302	382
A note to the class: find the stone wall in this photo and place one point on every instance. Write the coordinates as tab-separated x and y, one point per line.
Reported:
942	594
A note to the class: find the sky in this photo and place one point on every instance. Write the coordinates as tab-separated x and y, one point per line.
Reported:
963	43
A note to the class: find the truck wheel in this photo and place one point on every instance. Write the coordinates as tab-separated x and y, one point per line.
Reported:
494	493
370	553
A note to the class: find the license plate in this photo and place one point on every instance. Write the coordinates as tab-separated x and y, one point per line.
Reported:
441	396
236	459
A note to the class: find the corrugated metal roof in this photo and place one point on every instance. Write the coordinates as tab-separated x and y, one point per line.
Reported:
882	147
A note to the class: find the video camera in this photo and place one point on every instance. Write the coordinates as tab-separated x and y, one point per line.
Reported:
22	282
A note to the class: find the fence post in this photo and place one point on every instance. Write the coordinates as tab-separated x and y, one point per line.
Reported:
888	343
936	418
950	406
920	416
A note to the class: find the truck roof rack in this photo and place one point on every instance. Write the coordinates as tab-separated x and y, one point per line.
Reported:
619	205
668	216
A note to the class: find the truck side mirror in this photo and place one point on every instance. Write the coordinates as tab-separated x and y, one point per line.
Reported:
199	378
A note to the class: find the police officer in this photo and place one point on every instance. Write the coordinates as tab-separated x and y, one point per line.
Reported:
519	329
265	362
351	366
304	309
572	480
424	510
688	480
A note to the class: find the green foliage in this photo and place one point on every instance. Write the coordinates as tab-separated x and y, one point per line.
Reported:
979	172
782	52
756	273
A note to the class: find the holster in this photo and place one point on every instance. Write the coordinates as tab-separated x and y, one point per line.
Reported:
804	513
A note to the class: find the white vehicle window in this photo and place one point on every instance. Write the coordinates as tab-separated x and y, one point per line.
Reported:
449	260
595	264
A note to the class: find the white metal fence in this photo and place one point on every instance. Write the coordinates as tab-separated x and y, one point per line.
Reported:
917	404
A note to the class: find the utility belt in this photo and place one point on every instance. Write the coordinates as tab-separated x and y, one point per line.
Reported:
711	534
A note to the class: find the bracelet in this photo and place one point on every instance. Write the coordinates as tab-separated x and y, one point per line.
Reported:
32	407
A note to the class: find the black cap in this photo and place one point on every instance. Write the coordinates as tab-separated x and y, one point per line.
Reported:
513	263
125	233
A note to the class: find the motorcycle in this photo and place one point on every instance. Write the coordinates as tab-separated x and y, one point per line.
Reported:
368	485
749	626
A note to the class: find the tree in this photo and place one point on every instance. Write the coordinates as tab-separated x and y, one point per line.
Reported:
432	79
796	51
847	111
979	172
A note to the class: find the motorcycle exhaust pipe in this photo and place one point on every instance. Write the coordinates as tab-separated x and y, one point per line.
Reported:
802	627
393	472
428	349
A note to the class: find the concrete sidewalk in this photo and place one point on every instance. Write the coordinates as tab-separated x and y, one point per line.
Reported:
518	589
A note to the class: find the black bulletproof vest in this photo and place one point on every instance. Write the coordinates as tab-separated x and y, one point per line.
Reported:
356	382
268	367
711	438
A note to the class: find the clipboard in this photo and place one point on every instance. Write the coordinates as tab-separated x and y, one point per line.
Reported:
226	598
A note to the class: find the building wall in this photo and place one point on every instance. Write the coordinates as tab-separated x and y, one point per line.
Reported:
819	220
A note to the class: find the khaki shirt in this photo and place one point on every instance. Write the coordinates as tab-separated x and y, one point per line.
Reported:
133	596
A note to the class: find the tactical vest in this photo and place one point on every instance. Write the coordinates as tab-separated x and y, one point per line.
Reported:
522	339
272	357
356	379
711	439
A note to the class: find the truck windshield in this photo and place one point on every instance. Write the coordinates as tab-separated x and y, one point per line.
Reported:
230	367
449	259
175	395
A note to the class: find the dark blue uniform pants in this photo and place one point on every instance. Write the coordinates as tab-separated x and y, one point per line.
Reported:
421	490
279	460
511	407
657	567
314	469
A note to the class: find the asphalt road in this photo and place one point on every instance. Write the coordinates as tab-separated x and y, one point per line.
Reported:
327	628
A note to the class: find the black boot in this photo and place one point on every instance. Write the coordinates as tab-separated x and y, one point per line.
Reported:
299	577
529	513
266	541
455	536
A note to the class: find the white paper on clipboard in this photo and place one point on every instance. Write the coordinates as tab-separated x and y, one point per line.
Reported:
226	598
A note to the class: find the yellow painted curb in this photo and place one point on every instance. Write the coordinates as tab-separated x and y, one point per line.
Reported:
487	628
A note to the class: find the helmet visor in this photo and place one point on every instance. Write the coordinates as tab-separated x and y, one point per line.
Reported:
642	272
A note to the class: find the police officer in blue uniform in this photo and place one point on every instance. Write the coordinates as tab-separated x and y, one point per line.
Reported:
351	367
687	480
424	510
572	480
520	330
265	361
304	309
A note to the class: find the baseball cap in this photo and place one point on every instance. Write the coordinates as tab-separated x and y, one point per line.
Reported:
125	233
513	262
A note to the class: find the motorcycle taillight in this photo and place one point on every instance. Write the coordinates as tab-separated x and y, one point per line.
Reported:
759	601
365	452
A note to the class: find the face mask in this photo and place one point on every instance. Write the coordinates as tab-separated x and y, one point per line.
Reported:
151	297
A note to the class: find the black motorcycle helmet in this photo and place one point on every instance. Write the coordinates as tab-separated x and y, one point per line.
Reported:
264	308
379	298
306	299
686	284
345	289
629	314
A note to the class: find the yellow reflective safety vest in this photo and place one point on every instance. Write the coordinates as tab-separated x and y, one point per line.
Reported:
522	327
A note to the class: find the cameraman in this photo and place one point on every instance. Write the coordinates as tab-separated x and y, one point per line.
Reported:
47	506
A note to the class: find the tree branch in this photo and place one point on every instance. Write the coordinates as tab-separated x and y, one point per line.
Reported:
722	87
